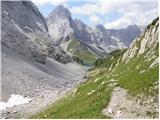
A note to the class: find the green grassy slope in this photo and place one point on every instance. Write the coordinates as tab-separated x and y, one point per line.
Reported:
81	53
135	76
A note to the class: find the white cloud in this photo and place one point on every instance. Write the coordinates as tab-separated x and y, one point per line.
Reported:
129	12
134	14
95	19
106	6
92	8
120	23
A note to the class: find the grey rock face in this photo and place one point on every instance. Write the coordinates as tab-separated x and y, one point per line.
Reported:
24	30
82	32
60	24
104	39
25	15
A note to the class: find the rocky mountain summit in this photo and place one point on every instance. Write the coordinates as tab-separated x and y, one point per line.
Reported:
25	30
60	24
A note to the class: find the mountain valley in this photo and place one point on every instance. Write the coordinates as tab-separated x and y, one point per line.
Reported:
64	68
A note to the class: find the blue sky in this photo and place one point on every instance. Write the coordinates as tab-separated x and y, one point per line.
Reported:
111	13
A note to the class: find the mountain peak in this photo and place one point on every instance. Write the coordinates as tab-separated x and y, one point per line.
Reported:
61	8
101	27
60	11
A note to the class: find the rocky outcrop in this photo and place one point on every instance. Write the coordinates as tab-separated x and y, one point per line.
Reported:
147	41
24	30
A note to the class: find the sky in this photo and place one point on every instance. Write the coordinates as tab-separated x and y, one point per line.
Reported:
115	14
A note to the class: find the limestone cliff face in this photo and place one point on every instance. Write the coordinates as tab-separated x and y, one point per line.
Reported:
146	42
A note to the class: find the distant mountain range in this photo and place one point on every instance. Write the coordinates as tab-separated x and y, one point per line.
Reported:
97	41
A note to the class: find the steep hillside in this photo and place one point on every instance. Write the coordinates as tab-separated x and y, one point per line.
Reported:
123	85
81	52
